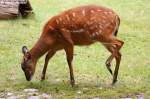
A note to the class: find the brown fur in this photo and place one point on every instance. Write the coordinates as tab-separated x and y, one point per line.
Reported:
83	25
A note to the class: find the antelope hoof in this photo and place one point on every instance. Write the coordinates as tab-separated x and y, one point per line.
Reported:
114	81
72	83
42	77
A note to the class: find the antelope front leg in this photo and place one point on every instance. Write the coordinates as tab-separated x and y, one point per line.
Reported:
49	55
69	53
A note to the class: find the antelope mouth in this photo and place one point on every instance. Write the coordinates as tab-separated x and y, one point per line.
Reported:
28	77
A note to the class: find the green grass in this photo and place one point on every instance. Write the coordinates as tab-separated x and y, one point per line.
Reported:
89	67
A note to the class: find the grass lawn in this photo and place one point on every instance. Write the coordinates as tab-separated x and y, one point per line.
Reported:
91	75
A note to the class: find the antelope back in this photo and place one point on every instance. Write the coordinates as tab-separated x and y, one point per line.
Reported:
88	24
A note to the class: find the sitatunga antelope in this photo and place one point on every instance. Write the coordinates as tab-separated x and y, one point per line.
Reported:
82	25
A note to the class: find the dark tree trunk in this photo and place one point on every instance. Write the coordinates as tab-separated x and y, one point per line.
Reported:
25	9
13	9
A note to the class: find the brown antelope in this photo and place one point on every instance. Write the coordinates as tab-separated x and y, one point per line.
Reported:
83	25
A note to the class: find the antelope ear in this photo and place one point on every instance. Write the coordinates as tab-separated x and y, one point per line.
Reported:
24	50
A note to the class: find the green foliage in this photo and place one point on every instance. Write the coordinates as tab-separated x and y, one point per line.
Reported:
89	68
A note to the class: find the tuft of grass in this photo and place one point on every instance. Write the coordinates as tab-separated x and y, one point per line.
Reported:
91	75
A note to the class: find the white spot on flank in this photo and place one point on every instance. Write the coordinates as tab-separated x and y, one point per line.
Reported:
110	12
105	12
78	31
73	14
50	27
99	10
60	19
92	11
100	31
57	21
67	16
97	33
83	12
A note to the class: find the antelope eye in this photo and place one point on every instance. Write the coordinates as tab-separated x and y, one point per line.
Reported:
28	61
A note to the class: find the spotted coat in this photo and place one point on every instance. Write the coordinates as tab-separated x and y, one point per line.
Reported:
87	23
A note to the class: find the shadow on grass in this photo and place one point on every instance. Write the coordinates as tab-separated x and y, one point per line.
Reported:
31	16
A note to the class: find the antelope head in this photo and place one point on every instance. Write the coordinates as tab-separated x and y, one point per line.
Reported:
27	64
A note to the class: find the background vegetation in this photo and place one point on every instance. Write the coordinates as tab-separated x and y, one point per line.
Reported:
91	75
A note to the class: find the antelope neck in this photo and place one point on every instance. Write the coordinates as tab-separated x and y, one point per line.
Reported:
38	50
